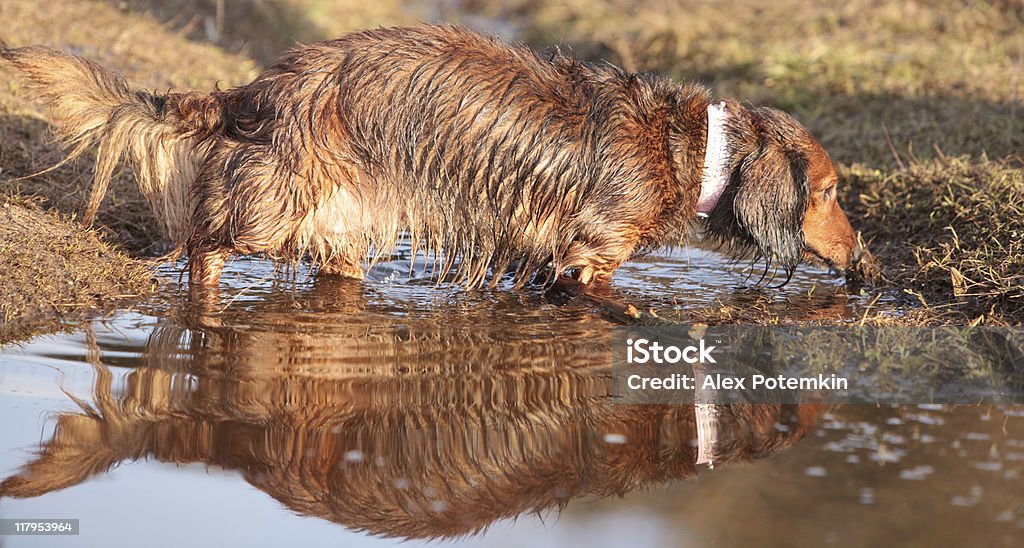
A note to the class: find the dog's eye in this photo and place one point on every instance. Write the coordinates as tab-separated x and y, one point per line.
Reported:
829	192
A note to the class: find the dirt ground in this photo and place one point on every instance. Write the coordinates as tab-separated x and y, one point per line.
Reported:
919	104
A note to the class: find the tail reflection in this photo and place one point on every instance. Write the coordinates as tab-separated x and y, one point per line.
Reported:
434	428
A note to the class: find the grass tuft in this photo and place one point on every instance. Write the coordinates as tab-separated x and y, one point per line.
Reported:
951	229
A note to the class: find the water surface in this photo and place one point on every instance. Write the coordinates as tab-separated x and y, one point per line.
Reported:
369	413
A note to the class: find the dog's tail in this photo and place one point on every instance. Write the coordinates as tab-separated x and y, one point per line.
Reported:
160	134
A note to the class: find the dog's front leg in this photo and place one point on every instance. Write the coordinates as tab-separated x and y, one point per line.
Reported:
599	293
592	265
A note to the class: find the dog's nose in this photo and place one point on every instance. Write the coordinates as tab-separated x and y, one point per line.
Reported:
856	252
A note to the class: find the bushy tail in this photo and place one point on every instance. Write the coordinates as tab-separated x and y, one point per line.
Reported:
160	134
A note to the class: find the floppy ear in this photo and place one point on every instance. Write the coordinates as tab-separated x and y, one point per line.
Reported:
764	203
770	202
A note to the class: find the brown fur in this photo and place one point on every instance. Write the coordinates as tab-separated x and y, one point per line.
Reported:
495	158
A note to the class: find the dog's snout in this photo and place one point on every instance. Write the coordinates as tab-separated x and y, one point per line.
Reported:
856	252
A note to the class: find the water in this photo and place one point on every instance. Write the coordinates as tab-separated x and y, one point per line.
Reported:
363	414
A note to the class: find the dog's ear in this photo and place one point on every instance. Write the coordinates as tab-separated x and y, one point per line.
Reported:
770	201
763	206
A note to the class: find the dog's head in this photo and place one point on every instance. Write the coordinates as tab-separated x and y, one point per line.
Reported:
780	201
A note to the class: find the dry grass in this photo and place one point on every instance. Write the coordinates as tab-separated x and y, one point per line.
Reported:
918	102
51	269
952	229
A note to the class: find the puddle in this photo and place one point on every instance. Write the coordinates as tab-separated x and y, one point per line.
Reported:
359	414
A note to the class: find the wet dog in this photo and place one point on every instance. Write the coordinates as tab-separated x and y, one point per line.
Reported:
495	159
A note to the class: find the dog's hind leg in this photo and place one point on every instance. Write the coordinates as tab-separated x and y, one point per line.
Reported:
345	266
205	267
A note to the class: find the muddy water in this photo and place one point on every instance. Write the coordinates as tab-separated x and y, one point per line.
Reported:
358	414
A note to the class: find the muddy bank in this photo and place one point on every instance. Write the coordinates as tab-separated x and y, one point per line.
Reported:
53	270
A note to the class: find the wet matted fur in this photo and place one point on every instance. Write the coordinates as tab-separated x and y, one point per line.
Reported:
497	159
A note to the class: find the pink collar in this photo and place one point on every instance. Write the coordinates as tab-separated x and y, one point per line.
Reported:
715	166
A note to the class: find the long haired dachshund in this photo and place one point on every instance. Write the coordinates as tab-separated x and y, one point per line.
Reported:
498	160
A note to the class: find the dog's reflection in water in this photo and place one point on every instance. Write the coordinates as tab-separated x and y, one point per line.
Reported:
416	432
